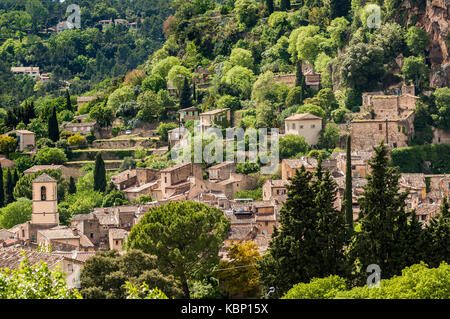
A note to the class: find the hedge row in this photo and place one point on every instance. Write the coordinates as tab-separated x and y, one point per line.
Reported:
413	159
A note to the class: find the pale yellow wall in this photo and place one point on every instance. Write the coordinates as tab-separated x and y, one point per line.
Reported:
304	128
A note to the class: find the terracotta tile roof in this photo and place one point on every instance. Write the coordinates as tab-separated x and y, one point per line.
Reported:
76	255
38	168
123	176
224	164
240	232
213	112
5	234
428	209
43	179
59	232
308	162
68	125
20	132
278	182
174	167
262	203
11	257
303	116
117	233
414	180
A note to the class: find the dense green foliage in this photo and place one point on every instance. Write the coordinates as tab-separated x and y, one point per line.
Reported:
185	236
412	159
311	239
105	275
34	282
415	282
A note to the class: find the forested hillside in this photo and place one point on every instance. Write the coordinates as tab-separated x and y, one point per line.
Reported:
82	56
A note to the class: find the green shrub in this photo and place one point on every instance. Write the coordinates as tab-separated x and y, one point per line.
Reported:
318	288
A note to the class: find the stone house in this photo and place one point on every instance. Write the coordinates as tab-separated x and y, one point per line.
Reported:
394	132
235	183
96	225
6	163
72	265
32	71
288	79
275	189
66	172
440	136
360	165
175	179
425	212
84	128
290	166
190	113
25	139
389	106
125	179
82	100
213	199
306	125
117	238
212	118
64	238
221	171
150	188
176	135
251	221
417	188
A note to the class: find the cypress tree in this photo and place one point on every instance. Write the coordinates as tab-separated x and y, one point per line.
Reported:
72	186
9	192
300	79
194	92
269	6
185	97
348	194
15	177
285	5
438	236
339	8
2	190
68	102
53	129
99	173
311	239
382	219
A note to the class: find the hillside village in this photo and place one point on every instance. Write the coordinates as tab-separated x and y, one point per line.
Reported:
55	147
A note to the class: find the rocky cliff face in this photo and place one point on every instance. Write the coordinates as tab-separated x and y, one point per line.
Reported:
434	19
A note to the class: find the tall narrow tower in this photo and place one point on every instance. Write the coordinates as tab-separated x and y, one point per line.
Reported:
45	201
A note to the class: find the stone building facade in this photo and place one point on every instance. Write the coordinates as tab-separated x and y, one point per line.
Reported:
395	132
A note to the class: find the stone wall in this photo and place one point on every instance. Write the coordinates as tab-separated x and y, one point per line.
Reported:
441	136
369	133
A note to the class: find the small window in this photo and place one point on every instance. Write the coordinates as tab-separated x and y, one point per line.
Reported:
313	126
92	235
43	193
301	126
266	223
69	268
380	127
117	242
293	126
